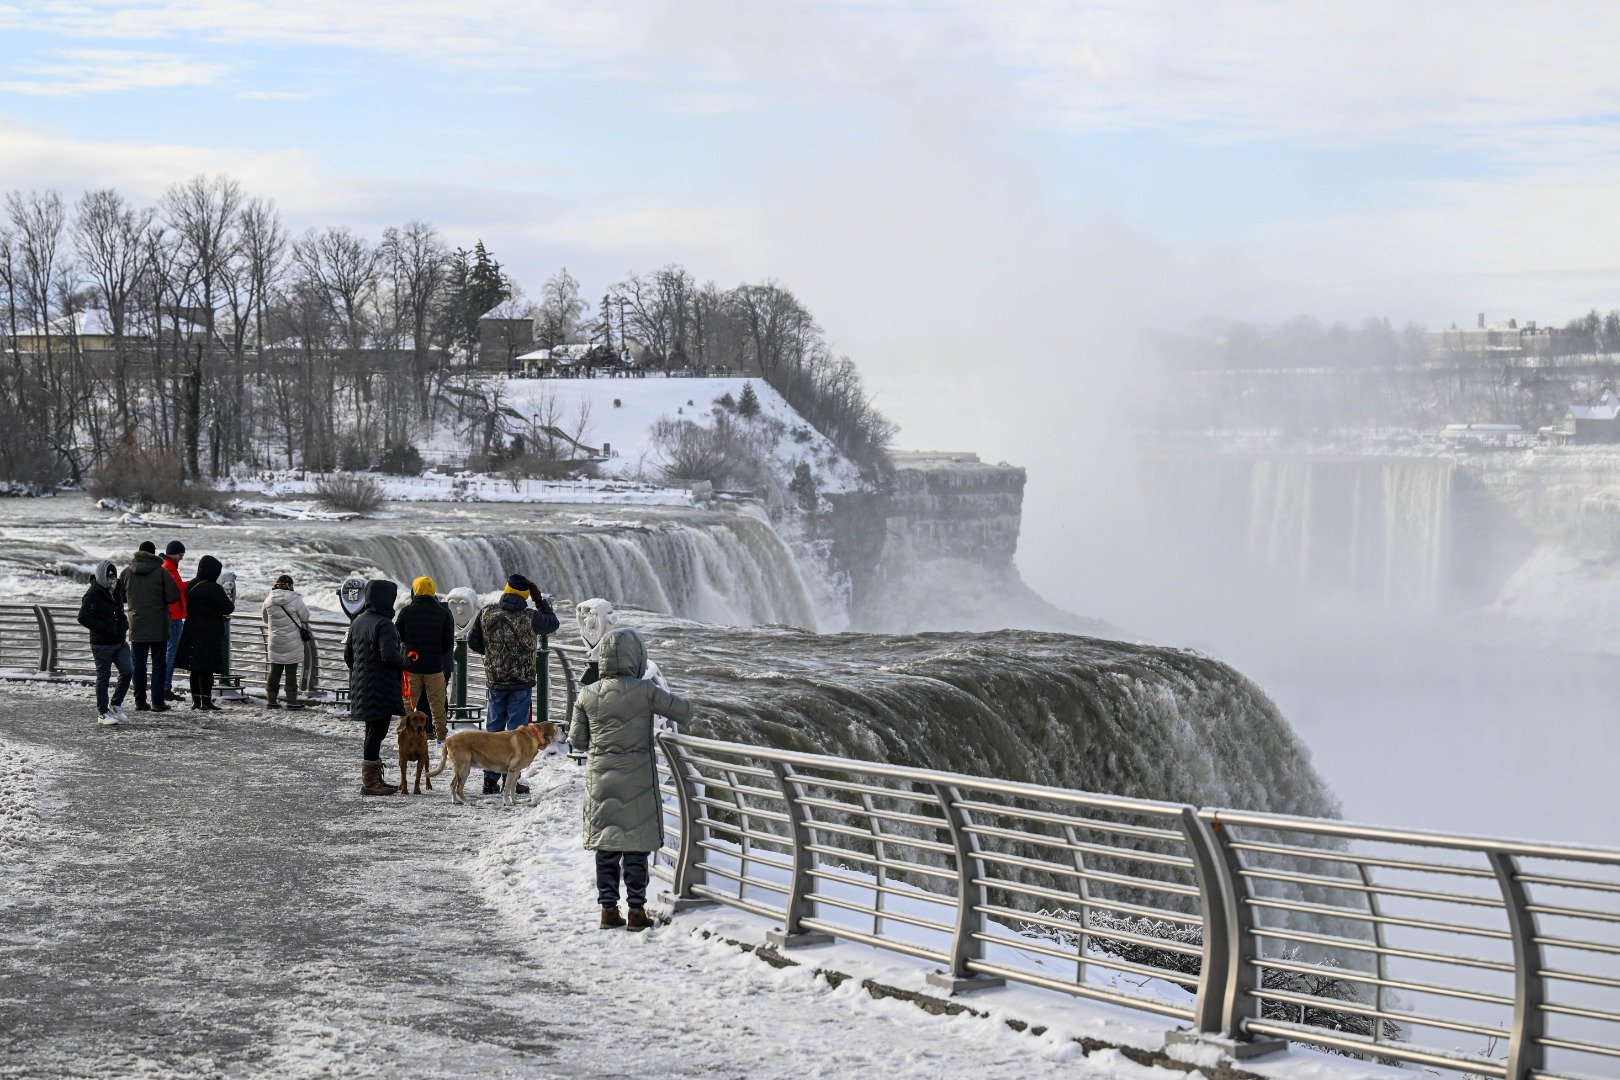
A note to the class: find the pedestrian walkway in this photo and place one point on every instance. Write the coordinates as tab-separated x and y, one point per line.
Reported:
208	896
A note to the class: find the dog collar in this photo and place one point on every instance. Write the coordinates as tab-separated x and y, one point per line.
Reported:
534	729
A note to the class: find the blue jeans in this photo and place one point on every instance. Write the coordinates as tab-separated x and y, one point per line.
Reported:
158	651
508	709
107	658
175	627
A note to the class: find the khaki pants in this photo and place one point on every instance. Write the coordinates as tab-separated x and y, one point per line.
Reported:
434	681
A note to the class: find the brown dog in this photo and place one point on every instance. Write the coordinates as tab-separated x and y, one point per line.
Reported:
508	752
413	746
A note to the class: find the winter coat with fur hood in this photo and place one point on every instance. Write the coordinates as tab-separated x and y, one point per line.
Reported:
613	725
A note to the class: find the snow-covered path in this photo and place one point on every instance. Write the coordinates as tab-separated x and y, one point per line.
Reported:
210	897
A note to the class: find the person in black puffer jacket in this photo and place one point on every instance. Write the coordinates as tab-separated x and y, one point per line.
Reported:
202	640
427	631
375	661
102	613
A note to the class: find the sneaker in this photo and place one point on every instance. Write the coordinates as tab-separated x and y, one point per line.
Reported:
107	719
118	711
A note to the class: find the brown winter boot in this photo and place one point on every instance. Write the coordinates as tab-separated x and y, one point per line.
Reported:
638	919
611	919
371	779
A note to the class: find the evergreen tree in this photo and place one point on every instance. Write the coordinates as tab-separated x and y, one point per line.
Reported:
748	403
803	487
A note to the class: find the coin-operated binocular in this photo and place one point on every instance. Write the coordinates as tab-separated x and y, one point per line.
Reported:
464	605
352	596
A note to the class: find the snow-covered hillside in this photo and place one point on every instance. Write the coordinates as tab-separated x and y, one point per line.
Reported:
623	412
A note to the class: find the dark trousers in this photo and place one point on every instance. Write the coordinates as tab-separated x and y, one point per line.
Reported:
287	673
107	658
159	652
635	878
202	685
376	731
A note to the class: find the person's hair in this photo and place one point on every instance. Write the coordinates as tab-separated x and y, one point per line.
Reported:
284	582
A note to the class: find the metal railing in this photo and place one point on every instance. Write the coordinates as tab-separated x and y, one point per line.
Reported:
1489	957
47	639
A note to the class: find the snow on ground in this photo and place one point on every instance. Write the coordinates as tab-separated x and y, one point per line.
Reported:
623	412
290	493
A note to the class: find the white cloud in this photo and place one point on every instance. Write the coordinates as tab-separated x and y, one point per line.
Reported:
78	72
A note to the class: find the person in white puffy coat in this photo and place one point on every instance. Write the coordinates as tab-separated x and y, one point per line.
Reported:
286	620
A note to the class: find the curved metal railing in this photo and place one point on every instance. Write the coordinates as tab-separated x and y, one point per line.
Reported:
1490	957
46	639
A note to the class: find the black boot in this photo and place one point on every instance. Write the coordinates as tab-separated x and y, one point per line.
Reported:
492	786
196	702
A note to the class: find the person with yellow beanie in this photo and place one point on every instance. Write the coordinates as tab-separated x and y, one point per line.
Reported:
427	633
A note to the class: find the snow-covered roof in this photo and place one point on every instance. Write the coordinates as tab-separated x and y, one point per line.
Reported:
1607	408
92	322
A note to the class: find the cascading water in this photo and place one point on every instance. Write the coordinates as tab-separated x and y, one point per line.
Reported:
729	569
1378	529
1054	709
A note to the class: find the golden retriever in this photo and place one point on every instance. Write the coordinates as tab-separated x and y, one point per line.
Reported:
508	752
413	746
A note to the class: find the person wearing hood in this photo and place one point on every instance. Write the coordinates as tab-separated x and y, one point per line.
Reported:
506	634
173	552
102	613
613	726
286	624
148	590
202	641
427	631
375	660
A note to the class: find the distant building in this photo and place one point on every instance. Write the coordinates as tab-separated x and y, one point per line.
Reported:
1586	425
1498	338
1482	434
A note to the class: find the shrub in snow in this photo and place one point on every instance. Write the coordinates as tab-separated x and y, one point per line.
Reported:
803	487
726	401
400	459
617	403
137	474
352	457
356	494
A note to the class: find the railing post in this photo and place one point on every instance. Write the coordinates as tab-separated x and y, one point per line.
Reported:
228	687
1229	944
1202	847
798	892
311	677
542	680
694	815
970	900
47	638
1526	1056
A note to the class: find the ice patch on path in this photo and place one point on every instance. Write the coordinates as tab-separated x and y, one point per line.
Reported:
716	1007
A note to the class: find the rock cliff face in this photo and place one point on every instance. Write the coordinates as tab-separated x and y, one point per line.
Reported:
936	550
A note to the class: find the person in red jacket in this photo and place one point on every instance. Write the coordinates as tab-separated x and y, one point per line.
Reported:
172	554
